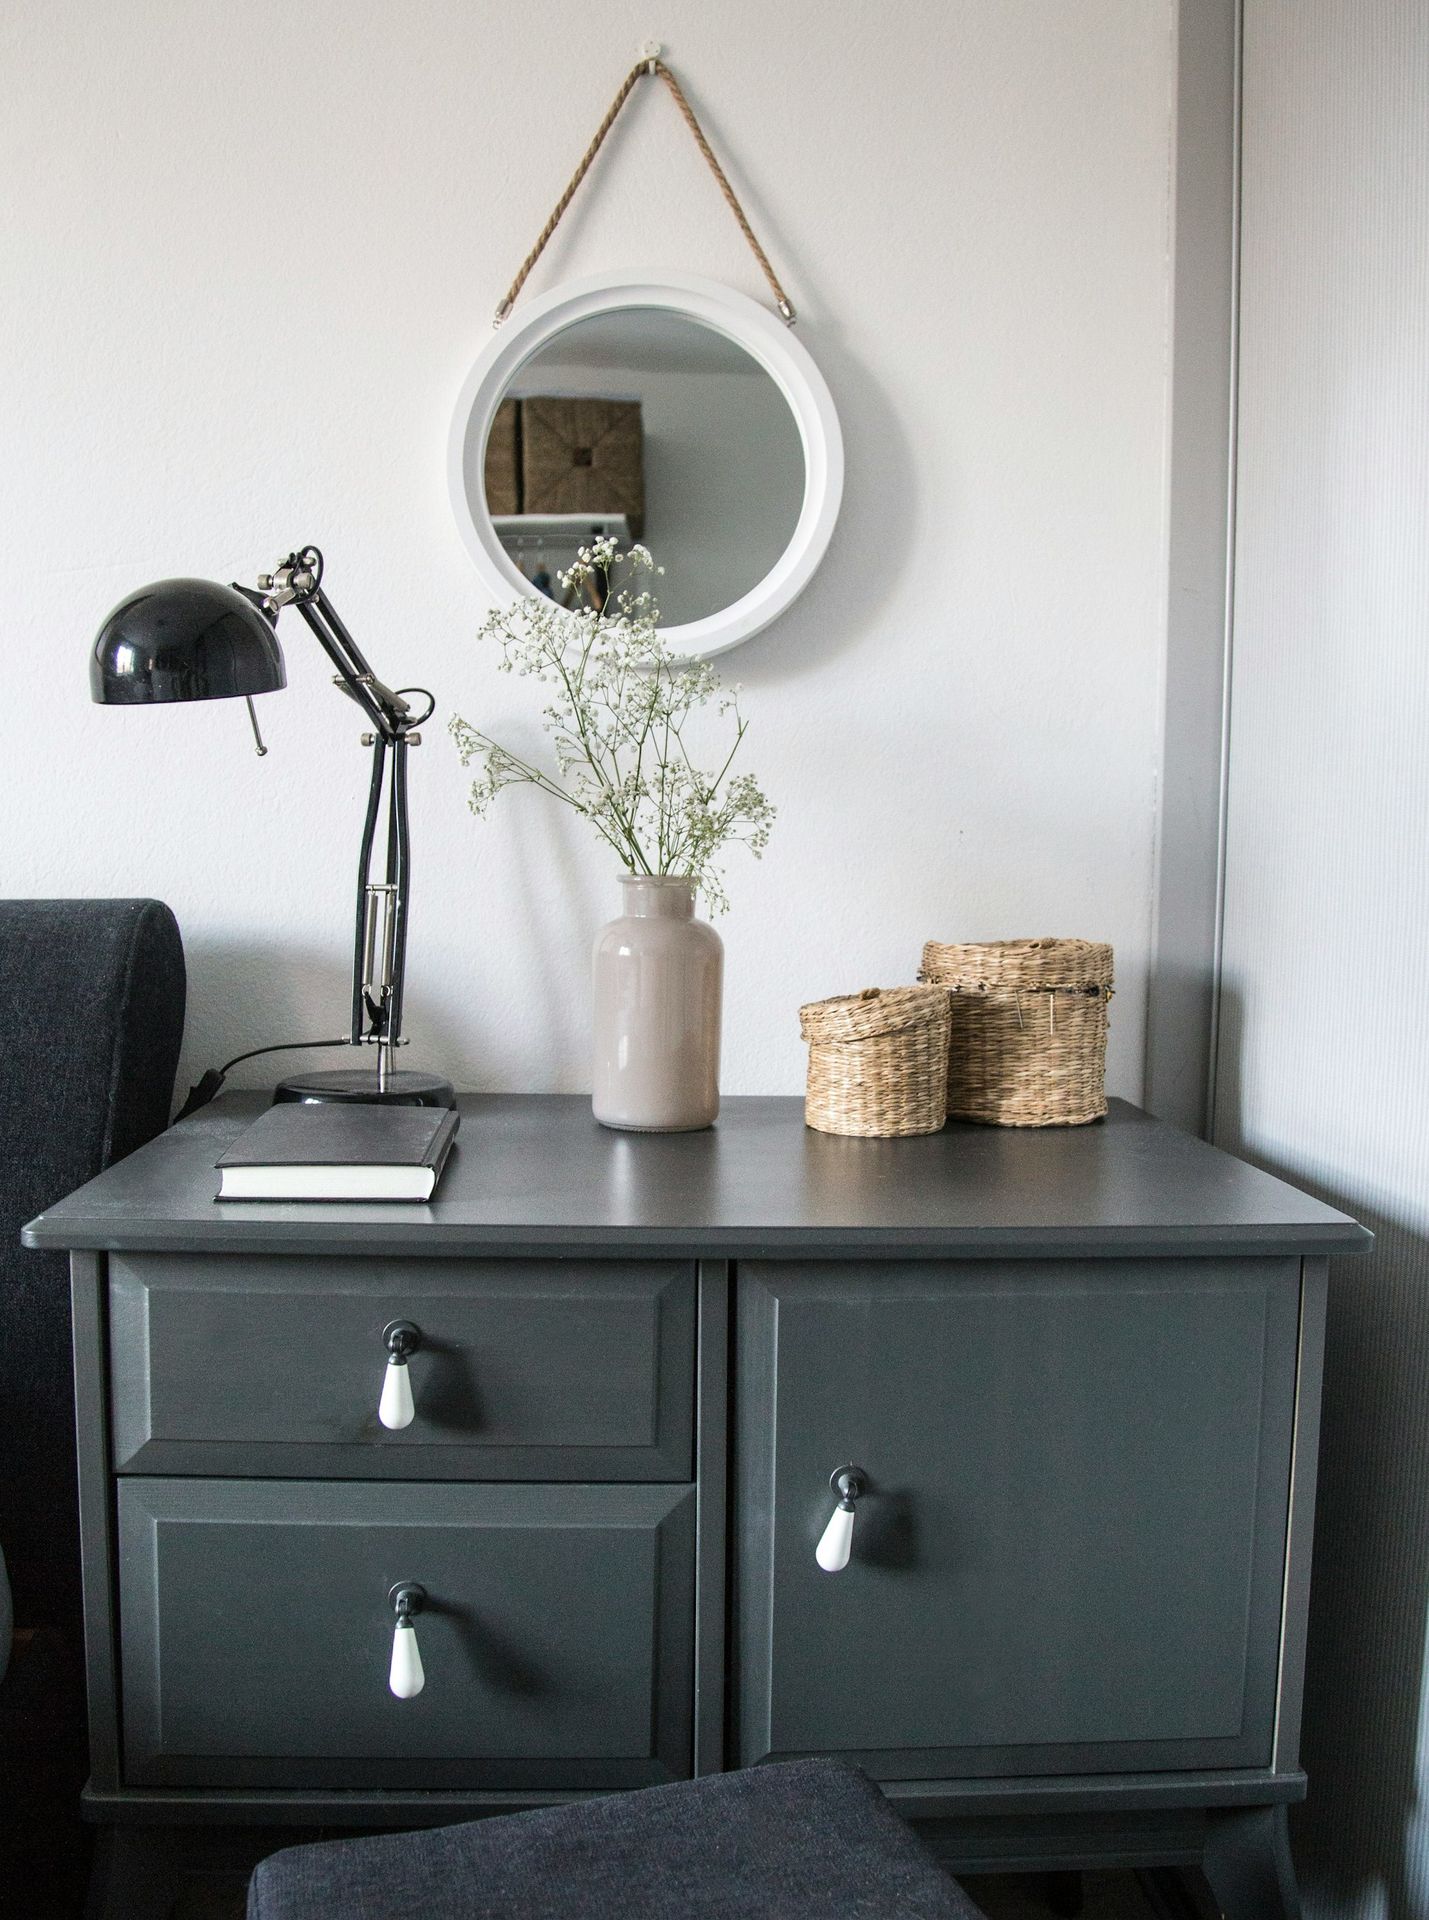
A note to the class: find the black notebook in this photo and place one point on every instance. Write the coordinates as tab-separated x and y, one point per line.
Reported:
339	1150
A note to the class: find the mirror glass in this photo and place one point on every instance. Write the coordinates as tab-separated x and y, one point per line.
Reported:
650	426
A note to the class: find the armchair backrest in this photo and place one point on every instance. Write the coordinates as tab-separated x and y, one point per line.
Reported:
91	1018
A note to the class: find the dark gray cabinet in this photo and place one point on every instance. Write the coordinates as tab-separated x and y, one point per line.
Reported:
1078	1370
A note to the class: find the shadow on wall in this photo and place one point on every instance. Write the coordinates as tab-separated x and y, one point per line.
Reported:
871	553
1181	999
1356	1836
564	885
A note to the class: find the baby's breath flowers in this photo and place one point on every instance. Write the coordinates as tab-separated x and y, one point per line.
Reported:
619	712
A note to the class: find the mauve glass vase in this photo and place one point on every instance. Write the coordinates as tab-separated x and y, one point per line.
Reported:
659	983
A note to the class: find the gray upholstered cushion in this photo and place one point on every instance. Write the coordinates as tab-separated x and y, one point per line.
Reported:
93	998
806	1840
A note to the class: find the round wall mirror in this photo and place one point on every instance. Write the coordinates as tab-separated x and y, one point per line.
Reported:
680	415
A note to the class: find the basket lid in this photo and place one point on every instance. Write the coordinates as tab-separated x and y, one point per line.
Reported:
1025	964
859	1016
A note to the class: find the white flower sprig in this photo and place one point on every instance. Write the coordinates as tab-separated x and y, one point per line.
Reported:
619	710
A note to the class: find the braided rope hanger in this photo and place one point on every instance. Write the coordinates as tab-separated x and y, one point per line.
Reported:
649	63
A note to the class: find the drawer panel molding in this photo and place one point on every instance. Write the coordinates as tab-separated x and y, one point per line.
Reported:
516	1369
555	1629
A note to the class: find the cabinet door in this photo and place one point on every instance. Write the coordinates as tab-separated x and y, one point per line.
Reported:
1070	1553
556	1634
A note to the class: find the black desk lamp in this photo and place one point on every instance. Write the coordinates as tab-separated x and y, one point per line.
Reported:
196	640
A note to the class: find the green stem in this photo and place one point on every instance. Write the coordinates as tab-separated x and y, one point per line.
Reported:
590	755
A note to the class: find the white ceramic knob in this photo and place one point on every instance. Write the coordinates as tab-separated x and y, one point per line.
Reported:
833	1549
836	1541
396	1408
406	1678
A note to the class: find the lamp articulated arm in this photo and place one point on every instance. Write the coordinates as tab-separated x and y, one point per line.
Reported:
191	639
380	937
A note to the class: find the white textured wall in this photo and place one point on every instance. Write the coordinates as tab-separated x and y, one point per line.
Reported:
249	253
1324	1064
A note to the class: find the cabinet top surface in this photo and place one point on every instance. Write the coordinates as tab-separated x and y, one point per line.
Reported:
536	1173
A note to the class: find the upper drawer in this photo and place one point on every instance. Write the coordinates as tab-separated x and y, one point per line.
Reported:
527	1369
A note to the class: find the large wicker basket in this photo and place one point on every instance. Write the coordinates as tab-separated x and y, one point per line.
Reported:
1029	1025
878	1061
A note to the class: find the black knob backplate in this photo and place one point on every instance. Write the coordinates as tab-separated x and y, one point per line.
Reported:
401	1337
848	1483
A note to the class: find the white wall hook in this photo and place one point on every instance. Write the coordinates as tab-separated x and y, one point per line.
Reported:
406	1676
649	51
396	1407
836	1541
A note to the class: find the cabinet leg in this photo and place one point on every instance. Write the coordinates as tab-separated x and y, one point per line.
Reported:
1248	1866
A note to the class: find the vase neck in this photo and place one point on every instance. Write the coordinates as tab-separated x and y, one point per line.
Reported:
663	896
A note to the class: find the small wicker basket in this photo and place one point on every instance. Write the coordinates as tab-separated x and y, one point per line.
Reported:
1029	1026
878	1061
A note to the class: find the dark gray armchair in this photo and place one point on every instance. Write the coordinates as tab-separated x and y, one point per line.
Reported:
91	1017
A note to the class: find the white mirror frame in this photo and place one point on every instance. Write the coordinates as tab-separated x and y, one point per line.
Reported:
766	339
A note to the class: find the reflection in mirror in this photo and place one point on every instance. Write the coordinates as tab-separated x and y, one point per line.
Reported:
650	426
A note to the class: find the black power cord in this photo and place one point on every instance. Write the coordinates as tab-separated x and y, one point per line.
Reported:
212	1079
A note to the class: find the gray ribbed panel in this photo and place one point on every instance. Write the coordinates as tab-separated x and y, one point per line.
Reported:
1180	1004
1324	1063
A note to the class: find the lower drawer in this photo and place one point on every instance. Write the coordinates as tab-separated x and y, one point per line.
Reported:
556	1634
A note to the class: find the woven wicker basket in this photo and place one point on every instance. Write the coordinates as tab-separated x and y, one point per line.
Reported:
583	456
1029	1025
878	1061
501	471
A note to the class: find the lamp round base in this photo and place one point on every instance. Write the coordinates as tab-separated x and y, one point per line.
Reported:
358	1086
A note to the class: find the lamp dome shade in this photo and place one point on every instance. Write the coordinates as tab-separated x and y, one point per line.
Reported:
185	640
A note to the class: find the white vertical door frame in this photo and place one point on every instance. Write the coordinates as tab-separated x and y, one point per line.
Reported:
1190	857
